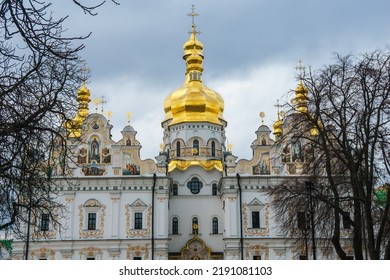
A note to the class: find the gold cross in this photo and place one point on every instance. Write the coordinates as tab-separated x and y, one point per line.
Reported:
193	15
278	106
300	68
102	102
85	70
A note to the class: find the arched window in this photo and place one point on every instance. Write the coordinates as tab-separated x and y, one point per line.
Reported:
175	190
175	225
195	185
178	149
215	225
214	189
213	149
195	147
195	225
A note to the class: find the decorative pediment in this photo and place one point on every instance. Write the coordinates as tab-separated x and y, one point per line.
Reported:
255	203
92	203
195	249
138	204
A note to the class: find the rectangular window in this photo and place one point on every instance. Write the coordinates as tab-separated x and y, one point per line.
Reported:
45	218
301	217
175	190
215	225
255	219
214	189
257	257
302	257
137	258
91	221
137	220
90	259
175	226
346	221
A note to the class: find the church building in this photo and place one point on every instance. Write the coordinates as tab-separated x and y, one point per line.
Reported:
195	200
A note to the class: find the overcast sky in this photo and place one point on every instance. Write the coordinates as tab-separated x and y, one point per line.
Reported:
251	49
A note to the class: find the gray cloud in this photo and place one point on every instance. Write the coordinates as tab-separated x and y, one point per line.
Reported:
251	49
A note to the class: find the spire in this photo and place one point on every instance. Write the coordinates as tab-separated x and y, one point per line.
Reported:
278	123
301	93
193	52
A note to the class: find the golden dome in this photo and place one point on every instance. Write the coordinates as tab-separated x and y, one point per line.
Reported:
278	127
74	126
301	98
193	101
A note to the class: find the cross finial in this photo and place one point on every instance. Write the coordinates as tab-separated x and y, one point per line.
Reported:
102	102
96	101
85	70
278	106
300	68
193	15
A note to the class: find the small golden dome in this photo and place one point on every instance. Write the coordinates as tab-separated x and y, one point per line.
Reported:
301	98
278	127
74	126
193	101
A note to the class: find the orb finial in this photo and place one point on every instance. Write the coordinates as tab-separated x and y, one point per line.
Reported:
96	102
262	115
128	114
109	115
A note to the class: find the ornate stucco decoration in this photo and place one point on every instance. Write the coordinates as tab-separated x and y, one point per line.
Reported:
101	213
130	231
205	164
49	234
256	250
195	249
137	251
42	253
91	252
256	231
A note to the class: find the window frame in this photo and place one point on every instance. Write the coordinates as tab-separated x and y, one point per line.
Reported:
175	190
302	222
214	189
138	219
45	222
178	149
215	225
195	220
195	145
255	215
213	148
91	220
175	225
195	185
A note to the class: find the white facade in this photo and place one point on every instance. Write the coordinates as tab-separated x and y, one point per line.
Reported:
189	204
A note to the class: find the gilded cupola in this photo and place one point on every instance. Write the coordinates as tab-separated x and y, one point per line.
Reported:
193	101
301	98
74	126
